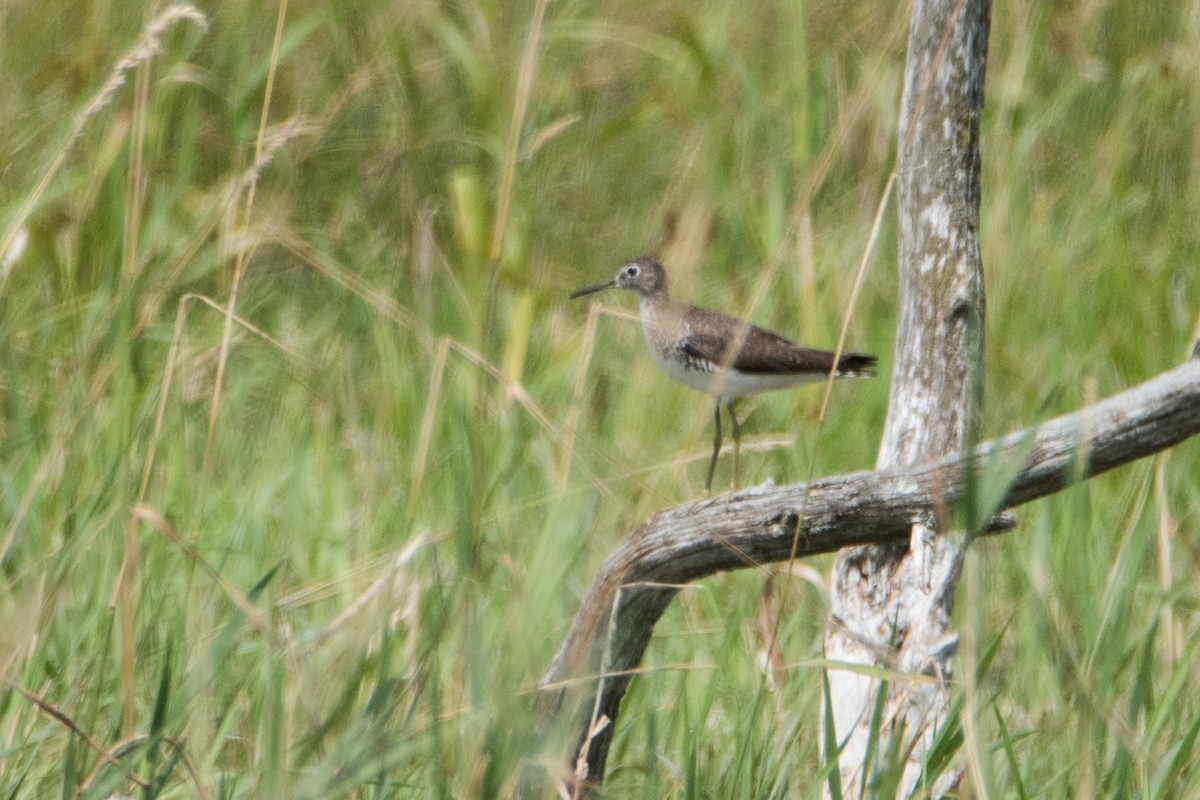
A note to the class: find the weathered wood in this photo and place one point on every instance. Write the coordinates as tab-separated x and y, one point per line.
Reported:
762	525
905	594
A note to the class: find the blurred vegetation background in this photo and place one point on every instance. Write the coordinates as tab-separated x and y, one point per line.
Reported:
327	549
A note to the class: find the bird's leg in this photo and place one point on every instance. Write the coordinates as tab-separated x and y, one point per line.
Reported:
712	465
737	444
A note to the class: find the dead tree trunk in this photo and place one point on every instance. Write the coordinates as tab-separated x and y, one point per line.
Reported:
891	605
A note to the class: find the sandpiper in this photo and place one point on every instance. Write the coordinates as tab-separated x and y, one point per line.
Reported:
723	356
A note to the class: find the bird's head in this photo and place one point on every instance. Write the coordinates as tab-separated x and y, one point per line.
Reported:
642	275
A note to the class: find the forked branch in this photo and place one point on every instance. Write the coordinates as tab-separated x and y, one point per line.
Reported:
763	525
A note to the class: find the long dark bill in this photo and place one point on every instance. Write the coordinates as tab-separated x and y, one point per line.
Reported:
598	287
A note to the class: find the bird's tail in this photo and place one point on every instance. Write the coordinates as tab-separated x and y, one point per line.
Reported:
855	365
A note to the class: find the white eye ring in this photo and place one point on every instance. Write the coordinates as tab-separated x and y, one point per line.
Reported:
631	271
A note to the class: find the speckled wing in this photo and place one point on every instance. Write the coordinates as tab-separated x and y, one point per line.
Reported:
766	352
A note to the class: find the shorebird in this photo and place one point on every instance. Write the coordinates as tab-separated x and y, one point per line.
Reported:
722	356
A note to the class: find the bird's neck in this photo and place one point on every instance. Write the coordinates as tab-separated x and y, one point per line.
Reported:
655	303
660	319
656	309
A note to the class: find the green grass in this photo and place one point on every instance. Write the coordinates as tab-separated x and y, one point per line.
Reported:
352	587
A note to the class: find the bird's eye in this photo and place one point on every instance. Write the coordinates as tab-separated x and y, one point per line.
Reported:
631	271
